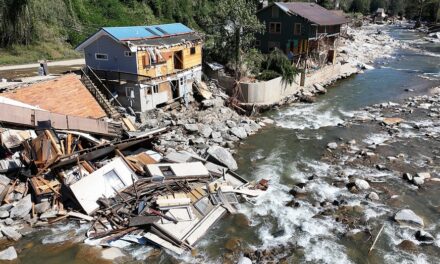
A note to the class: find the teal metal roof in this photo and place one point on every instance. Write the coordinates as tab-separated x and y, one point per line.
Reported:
146	32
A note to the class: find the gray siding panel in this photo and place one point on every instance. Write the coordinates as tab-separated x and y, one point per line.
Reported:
117	61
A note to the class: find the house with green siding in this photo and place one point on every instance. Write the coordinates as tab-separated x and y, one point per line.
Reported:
301	30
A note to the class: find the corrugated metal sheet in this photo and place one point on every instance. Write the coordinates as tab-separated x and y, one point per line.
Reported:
146	32
313	12
167	41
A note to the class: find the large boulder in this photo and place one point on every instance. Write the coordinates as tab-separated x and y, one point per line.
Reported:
424	237
239	132
332	145
42	207
22	208
11	233
191	127
223	156
8	254
362	184
407	217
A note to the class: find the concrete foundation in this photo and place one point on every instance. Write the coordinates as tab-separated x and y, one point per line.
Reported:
273	91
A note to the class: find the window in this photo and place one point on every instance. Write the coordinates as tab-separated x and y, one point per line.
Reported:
112	179
275	27
101	56
128	54
193	50
129	92
275	12
297	29
167	171
257	43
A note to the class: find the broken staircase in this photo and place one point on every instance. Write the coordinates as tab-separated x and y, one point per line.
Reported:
98	90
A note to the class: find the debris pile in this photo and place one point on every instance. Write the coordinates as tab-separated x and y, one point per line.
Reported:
127	189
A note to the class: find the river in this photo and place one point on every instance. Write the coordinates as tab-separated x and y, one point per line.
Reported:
288	153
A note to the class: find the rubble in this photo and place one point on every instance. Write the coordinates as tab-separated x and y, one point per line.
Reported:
165	185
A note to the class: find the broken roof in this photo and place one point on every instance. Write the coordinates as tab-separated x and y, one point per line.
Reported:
64	95
143	35
312	12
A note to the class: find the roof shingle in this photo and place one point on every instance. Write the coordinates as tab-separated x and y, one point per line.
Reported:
313	12
65	95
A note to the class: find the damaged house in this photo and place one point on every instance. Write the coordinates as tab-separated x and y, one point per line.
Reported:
301	30
144	66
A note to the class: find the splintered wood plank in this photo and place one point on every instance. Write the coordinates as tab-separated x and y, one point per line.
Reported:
69	144
127	122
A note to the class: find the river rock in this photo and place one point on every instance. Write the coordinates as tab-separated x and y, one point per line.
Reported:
223	156
216	134
418	181
231	123
373	196
4	214
8	254
22	208
362	184
424	237
424	175
244	260
319	88
407	217
11	233
407	245
42	207
332	145
206	131
239	132
191	127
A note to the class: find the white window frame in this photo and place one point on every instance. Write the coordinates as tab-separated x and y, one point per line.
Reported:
102	54
128	53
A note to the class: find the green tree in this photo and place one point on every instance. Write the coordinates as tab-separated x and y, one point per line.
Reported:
397	7
231	31
361	6
375	4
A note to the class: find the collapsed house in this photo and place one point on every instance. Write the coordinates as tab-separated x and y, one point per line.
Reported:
301	30
129	193
67	158
143	66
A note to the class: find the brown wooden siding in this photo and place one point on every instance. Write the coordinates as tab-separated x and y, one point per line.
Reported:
189	60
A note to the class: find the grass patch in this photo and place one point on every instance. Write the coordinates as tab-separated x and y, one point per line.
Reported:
21	54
